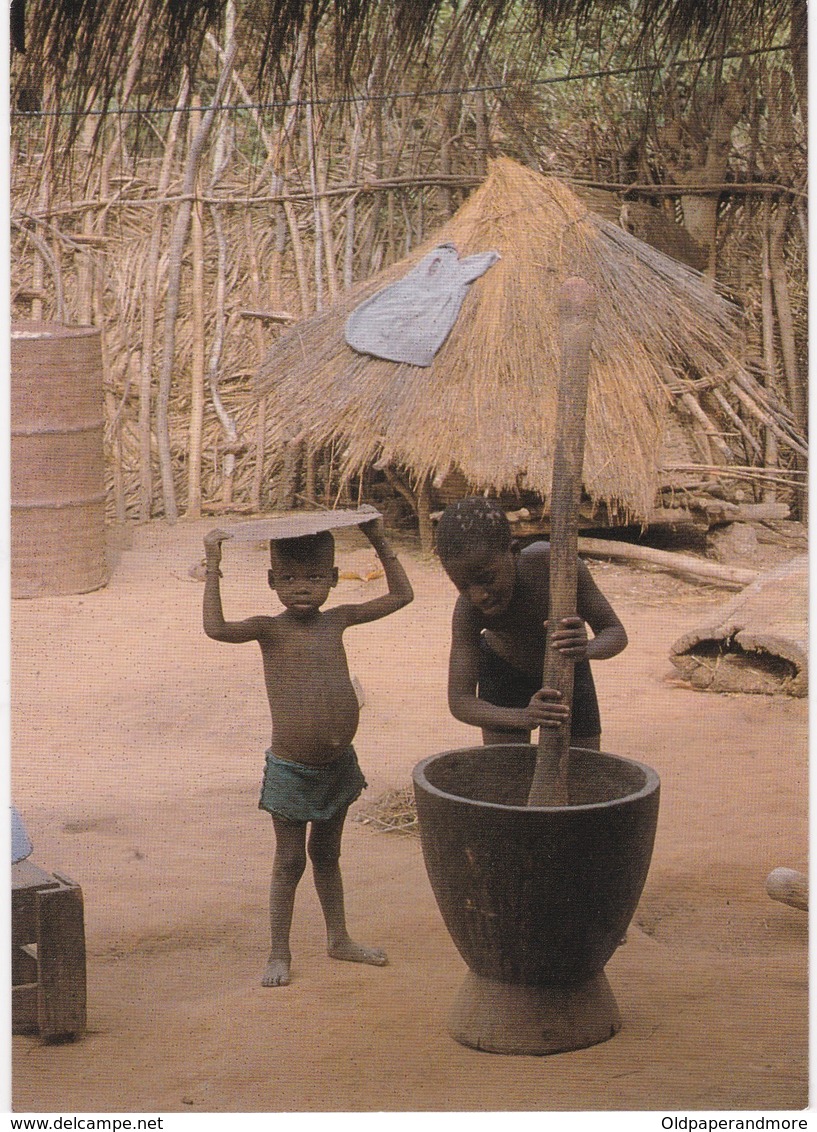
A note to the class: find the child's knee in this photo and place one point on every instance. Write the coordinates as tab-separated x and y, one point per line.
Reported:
323	856
288	867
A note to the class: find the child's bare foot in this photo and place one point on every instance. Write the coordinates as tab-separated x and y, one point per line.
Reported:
276	974
356	953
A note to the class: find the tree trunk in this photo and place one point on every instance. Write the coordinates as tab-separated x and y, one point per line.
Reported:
696	148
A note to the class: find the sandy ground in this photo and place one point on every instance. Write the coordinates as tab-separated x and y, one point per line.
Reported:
137	755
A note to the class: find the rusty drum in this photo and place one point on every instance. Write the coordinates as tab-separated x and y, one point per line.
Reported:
57	466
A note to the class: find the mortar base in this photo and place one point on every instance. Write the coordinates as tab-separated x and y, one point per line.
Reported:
516	1019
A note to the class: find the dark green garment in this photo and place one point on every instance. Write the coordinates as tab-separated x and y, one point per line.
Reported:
304	793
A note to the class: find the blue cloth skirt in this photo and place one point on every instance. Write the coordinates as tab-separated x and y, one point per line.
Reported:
304	793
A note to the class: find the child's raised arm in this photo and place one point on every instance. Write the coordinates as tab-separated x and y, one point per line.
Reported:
400	591
233	632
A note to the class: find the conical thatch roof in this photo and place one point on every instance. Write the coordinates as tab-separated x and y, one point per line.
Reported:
487	403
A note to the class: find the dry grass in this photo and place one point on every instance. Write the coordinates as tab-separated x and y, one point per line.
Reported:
392	812
487	403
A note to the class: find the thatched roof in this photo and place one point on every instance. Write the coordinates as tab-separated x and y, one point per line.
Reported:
487	403
86	45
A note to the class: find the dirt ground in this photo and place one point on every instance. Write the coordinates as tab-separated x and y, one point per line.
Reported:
137	755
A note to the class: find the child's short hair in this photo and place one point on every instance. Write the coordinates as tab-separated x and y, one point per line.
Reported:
475	523
319	548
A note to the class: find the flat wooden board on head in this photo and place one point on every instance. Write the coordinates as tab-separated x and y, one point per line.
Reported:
297	524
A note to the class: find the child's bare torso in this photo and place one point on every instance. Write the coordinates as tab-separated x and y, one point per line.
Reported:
312	700
518	634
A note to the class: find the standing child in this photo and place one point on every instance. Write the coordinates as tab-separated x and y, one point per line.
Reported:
499	626
311	773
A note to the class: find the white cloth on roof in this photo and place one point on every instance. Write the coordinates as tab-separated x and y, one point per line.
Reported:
409	320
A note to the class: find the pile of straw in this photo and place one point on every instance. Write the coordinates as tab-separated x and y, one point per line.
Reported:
487	403
395	811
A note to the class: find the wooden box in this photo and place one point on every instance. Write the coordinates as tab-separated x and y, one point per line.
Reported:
47	953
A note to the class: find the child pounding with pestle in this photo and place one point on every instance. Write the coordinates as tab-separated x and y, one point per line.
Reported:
499	627
311	773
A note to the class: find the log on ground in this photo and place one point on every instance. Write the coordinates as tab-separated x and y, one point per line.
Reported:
697	569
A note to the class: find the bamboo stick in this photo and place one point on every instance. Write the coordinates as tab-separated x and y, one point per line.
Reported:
351	204
289	473
83	260
700	437
150	308
398	486
99	233
317	240
284	148
37	290
451	110
746	472
376	185
309	475
177	243
768	399
196	427
92	311
220	158
712	434
258	335
738	387
785	322
368	254
260	443
328	236
97	315
767	325
736	421
329	469
43	203
214	363
299	256
423	508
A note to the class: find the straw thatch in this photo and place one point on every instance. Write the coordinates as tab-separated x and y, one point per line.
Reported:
758	642
487	403
87	47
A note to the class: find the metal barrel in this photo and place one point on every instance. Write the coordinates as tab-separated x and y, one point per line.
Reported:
57	484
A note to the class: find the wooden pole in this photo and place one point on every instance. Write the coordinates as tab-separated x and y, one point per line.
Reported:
577	314
196	430
176	251
424	515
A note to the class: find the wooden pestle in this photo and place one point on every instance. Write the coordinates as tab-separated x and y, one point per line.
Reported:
577	315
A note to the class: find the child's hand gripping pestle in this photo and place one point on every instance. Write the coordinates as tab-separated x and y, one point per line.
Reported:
577	316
